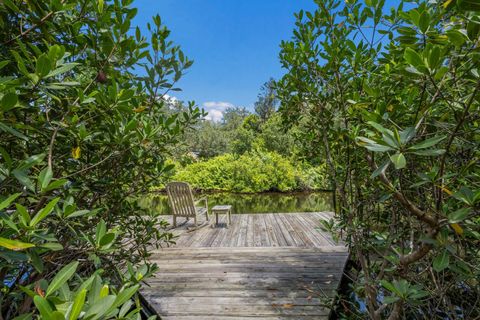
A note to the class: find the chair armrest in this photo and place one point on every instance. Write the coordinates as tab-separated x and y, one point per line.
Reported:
204	199
201	199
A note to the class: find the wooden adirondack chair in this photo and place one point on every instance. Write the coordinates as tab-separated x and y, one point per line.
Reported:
182	203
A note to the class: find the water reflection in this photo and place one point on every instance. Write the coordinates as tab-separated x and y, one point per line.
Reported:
253	203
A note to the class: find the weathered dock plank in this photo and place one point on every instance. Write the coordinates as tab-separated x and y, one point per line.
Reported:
259	230
265	266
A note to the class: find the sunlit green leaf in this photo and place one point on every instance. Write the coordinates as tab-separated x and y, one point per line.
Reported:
441	261
398	160
44	212
15	245
43	307
413	58
6	203
100	307
61	70
43	65
459	215
55	184
430	152
45	177
62	277
8	101
380	169
78	304
5	128
427	143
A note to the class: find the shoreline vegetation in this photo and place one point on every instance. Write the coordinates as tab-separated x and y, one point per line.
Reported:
244	203
247	152
252	172
207	192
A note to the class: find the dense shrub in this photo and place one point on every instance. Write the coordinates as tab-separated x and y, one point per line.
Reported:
390	98
251	172
80	134
312	177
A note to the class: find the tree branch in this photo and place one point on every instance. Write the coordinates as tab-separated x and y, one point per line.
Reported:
400	197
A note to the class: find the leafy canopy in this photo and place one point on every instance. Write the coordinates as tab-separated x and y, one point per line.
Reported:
83	130
390	97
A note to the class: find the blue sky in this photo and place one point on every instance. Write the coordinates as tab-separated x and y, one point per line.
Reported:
234	43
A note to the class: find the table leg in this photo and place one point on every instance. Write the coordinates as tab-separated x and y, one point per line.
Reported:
216	218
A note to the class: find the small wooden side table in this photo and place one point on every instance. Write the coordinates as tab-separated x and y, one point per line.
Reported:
225	209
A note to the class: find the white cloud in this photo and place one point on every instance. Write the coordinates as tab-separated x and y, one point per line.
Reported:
169	98
219	105
214	115
215	109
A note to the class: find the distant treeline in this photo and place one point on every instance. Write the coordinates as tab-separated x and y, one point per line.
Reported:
248	152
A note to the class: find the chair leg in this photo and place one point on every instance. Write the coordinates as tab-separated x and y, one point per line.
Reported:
174	221
195	220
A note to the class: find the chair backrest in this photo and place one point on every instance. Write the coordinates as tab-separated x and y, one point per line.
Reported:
181	200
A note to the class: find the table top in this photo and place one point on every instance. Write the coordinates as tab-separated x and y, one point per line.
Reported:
222	207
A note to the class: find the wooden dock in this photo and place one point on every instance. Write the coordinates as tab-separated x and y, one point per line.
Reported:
265	266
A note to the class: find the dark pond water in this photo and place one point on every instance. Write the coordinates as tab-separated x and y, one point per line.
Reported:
253	203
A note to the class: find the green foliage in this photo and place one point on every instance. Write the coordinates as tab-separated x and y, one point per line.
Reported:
389	97
234	117
251	202
250	172
267	101
273	137
242	141
68	298
241	132
208	140
80	135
